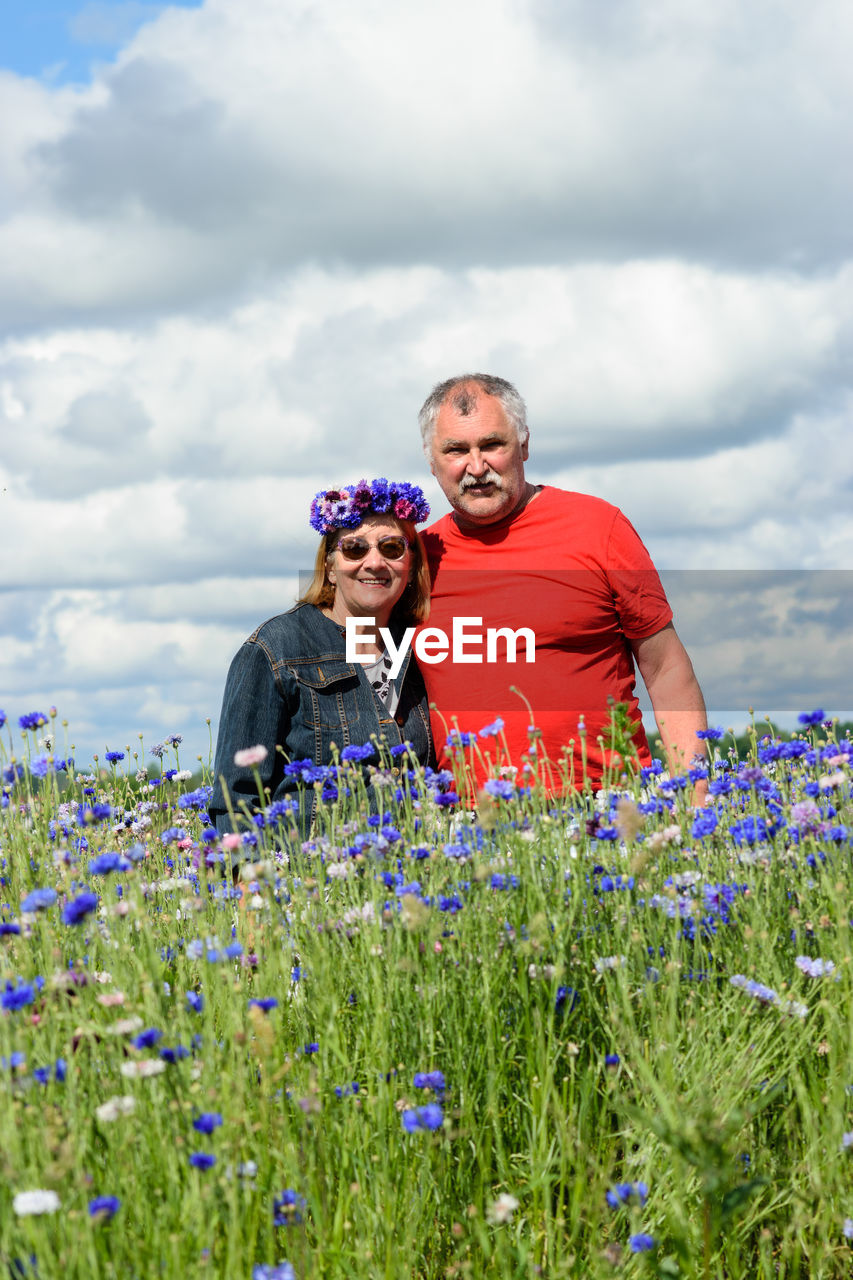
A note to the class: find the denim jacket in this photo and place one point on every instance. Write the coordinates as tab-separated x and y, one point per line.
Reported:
290	685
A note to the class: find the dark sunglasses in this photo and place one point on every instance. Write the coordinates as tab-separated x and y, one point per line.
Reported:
391	548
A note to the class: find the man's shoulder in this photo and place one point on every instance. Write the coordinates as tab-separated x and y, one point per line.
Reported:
569	500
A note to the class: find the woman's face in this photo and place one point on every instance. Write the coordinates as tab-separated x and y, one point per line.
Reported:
370	586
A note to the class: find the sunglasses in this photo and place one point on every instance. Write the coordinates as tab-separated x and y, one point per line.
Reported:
391	548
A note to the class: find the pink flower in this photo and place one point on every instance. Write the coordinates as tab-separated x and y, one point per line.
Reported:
250	756
231	841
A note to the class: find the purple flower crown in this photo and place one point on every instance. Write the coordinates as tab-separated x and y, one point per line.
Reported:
346	508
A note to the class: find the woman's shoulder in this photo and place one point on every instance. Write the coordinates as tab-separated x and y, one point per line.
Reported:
302	630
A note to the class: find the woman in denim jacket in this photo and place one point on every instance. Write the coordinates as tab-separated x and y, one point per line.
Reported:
291	696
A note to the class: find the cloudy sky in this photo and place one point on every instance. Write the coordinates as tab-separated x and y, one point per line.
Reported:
241	239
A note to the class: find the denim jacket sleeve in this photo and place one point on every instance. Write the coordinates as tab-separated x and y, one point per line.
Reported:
254	713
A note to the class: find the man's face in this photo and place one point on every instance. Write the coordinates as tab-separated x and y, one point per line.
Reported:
479	462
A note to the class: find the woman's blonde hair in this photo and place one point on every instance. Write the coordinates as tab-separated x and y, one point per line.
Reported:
413	605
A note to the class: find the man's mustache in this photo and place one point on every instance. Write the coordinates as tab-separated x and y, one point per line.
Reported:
490	477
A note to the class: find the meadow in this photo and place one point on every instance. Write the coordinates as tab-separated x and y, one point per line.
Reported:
602	1036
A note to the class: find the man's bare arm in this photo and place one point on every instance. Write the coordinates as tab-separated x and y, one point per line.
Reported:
676	699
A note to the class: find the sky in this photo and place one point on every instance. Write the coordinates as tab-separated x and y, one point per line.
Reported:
240	240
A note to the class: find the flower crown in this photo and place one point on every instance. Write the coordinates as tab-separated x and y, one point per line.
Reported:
346	508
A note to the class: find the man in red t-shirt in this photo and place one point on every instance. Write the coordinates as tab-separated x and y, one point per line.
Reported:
542	602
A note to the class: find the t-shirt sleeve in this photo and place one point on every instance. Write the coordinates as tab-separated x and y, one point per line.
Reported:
637	589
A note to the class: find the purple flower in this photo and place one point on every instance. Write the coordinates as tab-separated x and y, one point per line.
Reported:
104	1207
78	908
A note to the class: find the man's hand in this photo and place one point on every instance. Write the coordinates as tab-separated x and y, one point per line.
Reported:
676	700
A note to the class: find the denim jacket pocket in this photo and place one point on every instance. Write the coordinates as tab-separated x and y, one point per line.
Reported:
332	703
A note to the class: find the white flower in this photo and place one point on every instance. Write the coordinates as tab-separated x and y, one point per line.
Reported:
143	1068
114	1108
250	756
503	1208
340	870
125	1026
29	1202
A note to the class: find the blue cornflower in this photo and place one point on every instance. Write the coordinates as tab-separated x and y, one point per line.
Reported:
344	1091
354	752
107	862
641	1242
456	740
814	968
174	1055
499	788
202	1160
147	1039
711	734
758	991
287	1208
207	1122
234	950
33	720
430	1080
78	908
611	1060
9	928
104	1207
40	767
2	718
429	1117
19	996
566	996
622	1192
264	1003
811	718
492	730
704	823
273	1271
113	757
15	1060
311	1047
195	1001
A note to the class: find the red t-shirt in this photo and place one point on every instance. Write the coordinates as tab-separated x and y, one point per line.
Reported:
572	570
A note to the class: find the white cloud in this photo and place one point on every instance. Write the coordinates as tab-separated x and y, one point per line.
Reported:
233	265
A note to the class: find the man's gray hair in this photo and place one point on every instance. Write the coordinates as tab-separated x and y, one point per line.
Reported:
462	392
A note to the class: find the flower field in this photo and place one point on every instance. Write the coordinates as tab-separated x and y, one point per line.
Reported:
599	1037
